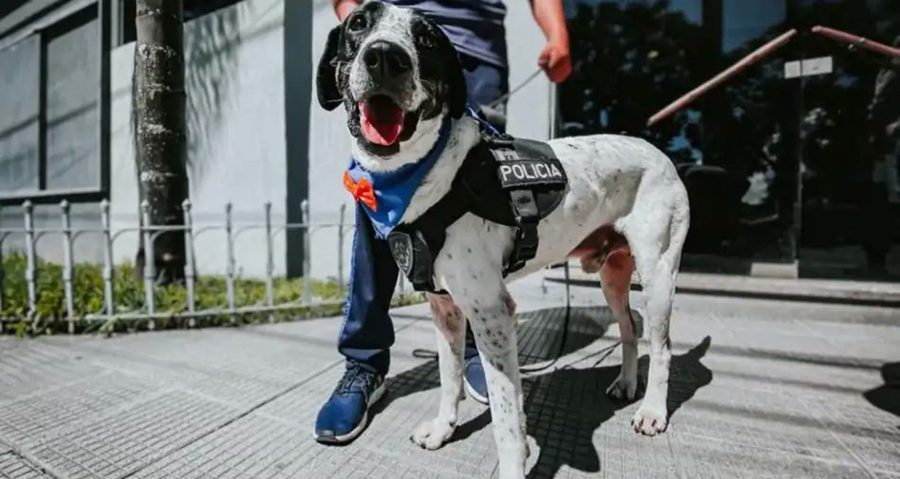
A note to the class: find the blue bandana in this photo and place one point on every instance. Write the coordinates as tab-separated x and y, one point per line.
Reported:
393	190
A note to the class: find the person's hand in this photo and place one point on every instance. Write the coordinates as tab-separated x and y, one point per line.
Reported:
343	8
555	61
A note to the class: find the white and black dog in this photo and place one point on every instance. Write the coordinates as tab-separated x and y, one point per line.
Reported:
624	208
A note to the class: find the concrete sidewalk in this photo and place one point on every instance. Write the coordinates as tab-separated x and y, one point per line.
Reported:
760	388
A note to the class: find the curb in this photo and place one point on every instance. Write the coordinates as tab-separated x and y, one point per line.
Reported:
813	290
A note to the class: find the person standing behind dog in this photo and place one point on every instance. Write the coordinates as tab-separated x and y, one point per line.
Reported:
476	28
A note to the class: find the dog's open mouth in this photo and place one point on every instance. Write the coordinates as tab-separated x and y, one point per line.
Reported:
382	120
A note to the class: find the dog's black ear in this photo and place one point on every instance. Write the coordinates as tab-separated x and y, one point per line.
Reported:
326	77
459	95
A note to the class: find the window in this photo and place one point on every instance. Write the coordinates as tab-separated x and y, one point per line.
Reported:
49	132
19	123
691	9
631	58
744	21
197	8
72	91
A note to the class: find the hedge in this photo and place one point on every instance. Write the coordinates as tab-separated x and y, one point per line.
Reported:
209	293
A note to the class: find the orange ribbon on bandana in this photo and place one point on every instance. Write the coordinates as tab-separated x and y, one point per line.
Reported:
361	191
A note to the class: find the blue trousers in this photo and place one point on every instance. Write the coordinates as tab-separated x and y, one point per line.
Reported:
367	333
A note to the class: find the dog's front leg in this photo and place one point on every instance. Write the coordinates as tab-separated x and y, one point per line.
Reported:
492	321
450	327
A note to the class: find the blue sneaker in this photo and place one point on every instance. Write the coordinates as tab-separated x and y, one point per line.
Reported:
345	415
476	384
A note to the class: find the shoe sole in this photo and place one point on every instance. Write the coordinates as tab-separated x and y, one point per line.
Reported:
350	436
472	393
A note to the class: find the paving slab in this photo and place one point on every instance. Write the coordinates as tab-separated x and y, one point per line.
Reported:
14	467
759	388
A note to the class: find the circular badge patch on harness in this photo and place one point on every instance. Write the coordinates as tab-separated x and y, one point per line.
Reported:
402	250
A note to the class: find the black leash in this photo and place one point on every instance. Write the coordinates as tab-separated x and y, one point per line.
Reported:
515	90
423	353
565	331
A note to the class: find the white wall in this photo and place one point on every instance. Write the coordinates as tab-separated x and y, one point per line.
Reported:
529	109
236	133
329	153
235	82
330	144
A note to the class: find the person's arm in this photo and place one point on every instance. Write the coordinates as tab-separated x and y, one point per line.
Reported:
343	7
554	58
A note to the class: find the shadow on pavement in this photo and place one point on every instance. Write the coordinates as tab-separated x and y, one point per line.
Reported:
565	406
887	396
568	406
539	333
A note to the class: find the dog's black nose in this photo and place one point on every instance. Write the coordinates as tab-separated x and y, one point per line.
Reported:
386	60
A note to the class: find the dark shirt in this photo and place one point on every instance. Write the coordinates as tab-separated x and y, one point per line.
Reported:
474	26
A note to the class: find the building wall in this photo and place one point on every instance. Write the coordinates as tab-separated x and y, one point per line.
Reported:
71	109
330	143
236	135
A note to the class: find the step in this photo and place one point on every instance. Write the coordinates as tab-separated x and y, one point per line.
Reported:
819	290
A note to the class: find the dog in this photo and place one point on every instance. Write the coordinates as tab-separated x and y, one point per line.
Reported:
624	210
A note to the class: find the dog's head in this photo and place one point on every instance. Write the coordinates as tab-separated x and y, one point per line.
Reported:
393	70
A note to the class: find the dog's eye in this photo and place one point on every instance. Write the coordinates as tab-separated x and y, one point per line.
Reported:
357	23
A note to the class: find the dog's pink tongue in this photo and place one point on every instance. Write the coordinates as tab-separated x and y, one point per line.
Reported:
382	120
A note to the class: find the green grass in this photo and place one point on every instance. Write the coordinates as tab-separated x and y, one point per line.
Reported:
209	293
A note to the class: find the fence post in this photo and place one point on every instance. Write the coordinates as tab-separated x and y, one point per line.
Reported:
229	267
270	263
341	214
29	253
67	265
189	267
149	264
108	298
307	285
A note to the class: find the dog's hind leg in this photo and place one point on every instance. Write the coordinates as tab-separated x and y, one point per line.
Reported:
450	327
615	277
656	237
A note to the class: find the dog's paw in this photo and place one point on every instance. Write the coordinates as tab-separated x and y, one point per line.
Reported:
649	420
432	434
623	389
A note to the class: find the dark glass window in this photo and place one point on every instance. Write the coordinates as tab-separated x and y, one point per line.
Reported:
631	58
744	21
771	163
197	8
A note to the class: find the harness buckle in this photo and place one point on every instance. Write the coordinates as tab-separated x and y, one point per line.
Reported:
525	244
498	140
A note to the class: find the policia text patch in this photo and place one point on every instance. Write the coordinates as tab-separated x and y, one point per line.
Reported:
517	173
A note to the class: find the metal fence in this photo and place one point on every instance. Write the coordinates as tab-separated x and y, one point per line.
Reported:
150	233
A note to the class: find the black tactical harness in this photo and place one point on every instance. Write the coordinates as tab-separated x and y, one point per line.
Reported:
506	180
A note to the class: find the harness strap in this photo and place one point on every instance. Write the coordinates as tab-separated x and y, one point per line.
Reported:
530	189
511	153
